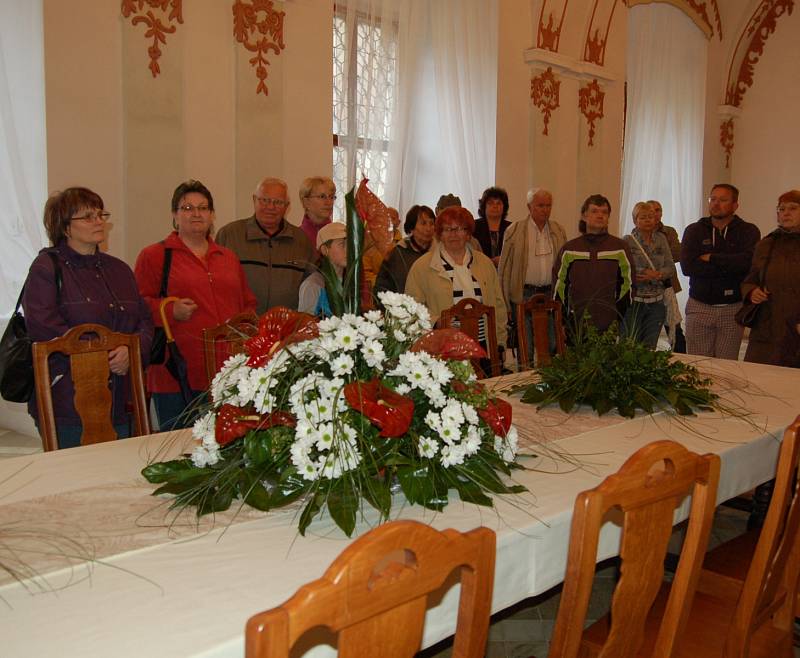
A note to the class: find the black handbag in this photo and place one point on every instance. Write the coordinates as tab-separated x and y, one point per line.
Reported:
16	350
158	348
747	315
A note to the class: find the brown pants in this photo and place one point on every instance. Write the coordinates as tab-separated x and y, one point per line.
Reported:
712	330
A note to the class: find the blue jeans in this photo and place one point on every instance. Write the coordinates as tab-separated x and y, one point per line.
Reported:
643	322
173	413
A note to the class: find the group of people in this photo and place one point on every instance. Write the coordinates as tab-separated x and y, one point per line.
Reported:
263	261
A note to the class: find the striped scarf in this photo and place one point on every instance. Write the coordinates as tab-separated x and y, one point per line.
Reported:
465	289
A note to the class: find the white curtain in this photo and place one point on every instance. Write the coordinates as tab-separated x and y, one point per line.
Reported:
23	163
437	111
666	71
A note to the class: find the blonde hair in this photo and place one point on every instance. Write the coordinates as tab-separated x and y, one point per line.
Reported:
313	181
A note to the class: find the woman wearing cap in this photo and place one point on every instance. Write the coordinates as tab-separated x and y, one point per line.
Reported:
210	285
73	283
452	270
395	268
774	284
332	245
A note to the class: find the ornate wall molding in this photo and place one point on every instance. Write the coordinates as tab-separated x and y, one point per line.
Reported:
590	103
545	91
156	30
549	33
697	10
594	48
726	139
258	26
750	47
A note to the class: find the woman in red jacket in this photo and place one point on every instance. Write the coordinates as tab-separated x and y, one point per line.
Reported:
210	285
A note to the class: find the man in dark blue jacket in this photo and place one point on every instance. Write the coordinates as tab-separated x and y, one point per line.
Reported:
715	254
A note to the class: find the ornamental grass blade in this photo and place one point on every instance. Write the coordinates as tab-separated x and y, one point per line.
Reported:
333	287
311	509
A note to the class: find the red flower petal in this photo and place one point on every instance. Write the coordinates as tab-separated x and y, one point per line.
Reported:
497	415
233	422
449	344
277	328
389	411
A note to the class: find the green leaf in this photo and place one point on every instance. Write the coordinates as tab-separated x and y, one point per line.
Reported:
355	251
289	488
253	491
377	493
534	394
343	503
312	508
469	491
176	470
257	447
421	487
218	500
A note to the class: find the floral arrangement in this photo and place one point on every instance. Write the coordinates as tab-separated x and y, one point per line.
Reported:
341	411
607	371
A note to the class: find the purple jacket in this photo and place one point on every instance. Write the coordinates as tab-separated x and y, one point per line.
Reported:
97	288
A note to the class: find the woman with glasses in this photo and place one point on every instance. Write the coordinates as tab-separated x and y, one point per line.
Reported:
395	268
451	271
774	285
317	194
210	287
73	283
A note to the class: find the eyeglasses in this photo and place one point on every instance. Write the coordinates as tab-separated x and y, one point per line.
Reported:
791	207
716	199
322	197
267	201
91	215
189	209
454	229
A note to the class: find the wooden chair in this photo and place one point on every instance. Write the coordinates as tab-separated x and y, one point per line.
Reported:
374	595
646	490
747	594
540	308
227	339
90	373
467	316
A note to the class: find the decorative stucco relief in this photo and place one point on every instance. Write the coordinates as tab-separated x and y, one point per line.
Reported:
156	30
545	90
750	47
697	10
726	139
590	102
258	26
551	20
594	49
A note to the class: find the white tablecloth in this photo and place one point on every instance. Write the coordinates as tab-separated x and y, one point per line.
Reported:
191	596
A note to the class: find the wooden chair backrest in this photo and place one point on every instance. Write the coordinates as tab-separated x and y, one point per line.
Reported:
374	595
647	489
227	339
539	307
769	592
90	374
468	314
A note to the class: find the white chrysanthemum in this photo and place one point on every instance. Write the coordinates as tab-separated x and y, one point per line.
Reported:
324	436
203	429
440	373
342	365
202	456
343	455
403	389
374	354
450	433
507	447
227	378
329	325
373	316
427	447
452	455
346	338
470	414
451	413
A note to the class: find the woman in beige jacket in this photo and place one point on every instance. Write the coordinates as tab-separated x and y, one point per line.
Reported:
452	271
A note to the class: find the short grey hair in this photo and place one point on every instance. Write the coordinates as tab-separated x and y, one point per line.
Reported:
272	181
534	191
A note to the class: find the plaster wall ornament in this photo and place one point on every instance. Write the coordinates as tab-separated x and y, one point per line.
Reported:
594	49
750	47
590	102
697	10
551	20
258	26
150	12
545	94
726	139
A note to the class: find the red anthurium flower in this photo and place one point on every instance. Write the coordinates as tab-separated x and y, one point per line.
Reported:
277	328
389	411
497	415
233	422
449	344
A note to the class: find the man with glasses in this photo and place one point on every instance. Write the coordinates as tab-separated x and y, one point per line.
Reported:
716	252
275	254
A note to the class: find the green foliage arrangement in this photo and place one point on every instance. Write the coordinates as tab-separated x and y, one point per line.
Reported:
607	371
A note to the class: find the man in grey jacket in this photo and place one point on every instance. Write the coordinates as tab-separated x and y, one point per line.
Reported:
526	262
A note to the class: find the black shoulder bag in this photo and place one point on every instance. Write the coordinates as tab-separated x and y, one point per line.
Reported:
158	348
747	315
16	349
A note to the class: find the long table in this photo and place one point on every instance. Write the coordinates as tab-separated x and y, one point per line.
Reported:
139	584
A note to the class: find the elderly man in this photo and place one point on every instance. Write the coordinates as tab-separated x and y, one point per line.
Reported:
716	252
592	274
274	253
526	262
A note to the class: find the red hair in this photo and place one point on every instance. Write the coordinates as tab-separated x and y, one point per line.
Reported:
792	196
457	215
